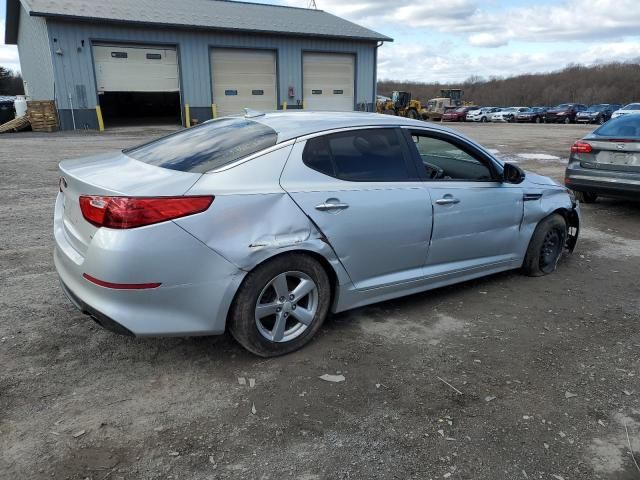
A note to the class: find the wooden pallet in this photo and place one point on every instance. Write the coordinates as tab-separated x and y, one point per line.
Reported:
42	115
15	125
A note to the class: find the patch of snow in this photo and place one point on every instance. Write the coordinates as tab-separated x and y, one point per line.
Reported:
537	156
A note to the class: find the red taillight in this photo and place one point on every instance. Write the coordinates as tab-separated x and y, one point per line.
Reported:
132	212
581	147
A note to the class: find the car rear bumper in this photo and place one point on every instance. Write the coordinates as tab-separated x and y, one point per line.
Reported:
196	291
604	182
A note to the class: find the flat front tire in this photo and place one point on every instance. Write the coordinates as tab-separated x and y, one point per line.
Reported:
280	305
546	246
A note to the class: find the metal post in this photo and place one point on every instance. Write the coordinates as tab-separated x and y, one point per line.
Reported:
73	117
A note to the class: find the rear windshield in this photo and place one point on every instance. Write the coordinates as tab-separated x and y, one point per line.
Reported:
626	126
207	146
596	108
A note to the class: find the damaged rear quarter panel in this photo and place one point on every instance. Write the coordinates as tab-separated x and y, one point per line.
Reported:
252	218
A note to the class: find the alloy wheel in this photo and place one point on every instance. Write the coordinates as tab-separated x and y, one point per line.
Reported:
286	306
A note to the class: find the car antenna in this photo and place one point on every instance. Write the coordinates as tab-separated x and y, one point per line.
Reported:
249	113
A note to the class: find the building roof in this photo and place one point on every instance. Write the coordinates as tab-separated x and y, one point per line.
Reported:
203	14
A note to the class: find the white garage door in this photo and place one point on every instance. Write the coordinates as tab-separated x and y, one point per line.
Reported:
128	68
328	81
243	79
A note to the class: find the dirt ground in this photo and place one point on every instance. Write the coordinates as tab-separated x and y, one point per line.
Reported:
544	372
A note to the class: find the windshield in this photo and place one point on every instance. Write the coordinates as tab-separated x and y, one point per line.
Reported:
207	146
461	109
632	106
625	126
562	106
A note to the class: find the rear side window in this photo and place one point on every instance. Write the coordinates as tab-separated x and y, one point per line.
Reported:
372	155
626	126
207	146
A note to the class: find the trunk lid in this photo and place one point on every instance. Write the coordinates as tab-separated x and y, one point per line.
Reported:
620	154
111	174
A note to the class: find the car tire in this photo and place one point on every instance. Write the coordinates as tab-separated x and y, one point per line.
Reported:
538	120
413	114
586	197
483	120
567	121
546	246
601	120
258	288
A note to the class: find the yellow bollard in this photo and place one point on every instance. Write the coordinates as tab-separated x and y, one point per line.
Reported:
284	105
100	121
187	116
214	110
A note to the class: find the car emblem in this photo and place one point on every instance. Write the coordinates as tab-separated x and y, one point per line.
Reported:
620	146
62	183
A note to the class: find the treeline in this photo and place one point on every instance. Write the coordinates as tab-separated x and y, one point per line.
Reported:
607	83
10	82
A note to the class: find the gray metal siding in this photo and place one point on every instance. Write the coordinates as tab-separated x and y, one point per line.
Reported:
35	56
75	66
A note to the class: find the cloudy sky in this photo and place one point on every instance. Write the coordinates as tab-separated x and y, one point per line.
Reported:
450	40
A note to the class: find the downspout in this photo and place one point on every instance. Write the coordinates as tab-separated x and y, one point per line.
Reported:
375	75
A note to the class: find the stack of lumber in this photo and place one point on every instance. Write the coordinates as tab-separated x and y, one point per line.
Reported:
42	115
15	125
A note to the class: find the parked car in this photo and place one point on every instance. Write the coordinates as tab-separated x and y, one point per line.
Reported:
564	113
531	115
507	114
630	109
607	161
492	114
457	115
598	113
481	114
265	224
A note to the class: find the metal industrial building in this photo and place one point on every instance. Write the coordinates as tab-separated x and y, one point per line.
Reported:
191	59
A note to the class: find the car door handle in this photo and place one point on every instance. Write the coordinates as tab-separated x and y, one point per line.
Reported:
447	200
330	207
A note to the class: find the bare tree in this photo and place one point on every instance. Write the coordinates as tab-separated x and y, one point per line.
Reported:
607	83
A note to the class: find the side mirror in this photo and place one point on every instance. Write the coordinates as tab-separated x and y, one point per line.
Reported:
513	173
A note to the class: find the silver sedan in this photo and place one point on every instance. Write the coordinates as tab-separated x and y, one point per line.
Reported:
264	224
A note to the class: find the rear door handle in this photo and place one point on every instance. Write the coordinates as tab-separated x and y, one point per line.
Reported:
331	207
448	200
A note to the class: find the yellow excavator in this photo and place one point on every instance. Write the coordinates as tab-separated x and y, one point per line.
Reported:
401	104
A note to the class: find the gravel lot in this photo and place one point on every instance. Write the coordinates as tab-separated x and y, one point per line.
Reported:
548	368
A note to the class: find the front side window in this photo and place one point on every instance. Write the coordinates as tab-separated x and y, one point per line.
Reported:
207	146
371	155
443	160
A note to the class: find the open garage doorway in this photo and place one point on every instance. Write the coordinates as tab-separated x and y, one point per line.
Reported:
137	85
